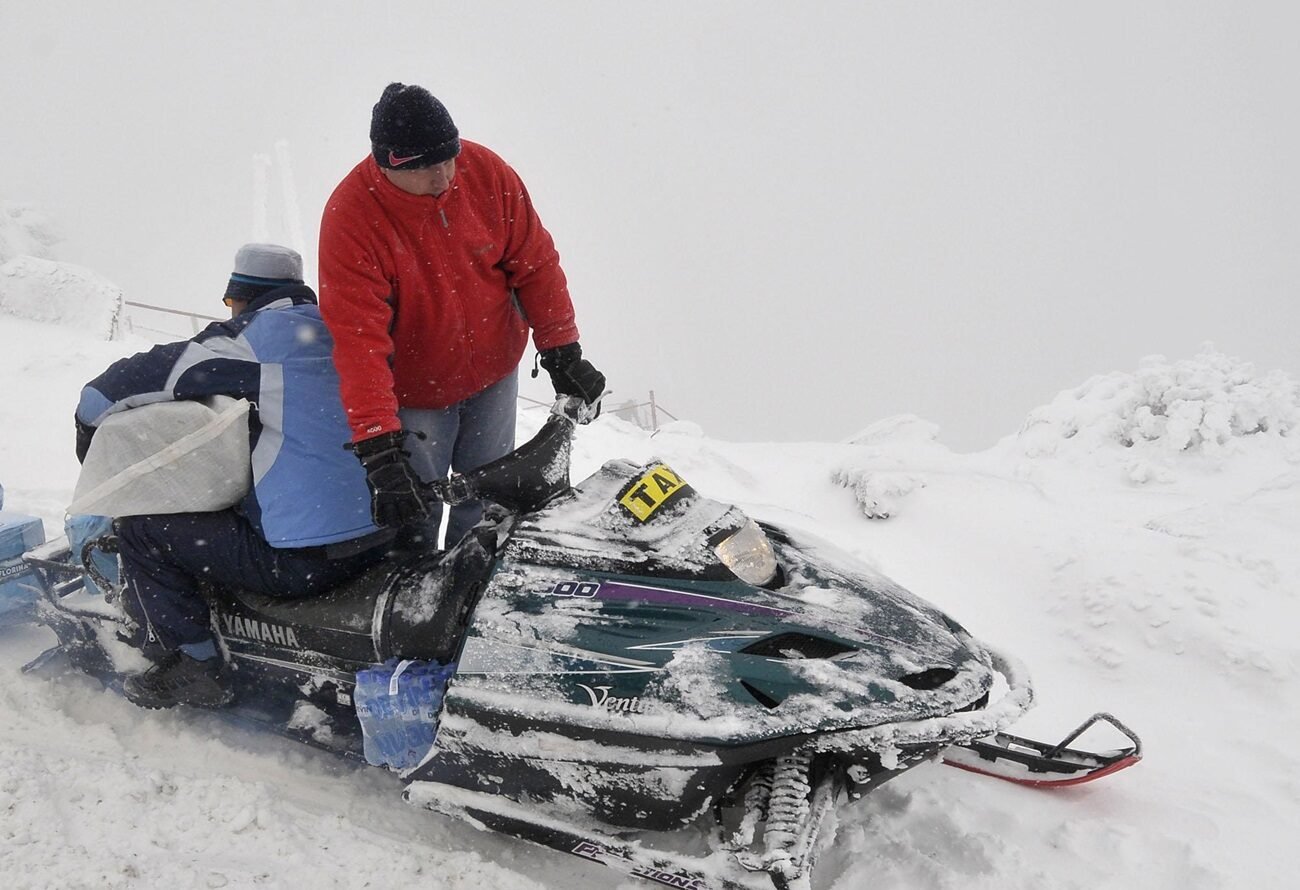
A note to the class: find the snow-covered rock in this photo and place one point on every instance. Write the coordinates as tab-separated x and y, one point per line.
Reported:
878	493
36	286
1166	415
900	428
62	294
881	472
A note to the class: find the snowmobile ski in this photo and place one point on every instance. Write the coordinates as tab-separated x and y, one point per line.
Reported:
628	857
1039	765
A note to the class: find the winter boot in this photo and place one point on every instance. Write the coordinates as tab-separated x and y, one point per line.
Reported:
180	680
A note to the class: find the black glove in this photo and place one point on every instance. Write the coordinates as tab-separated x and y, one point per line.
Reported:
85	433
571	374
396	497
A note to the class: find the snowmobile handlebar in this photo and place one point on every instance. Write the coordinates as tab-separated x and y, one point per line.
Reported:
105	544
577	410
529	476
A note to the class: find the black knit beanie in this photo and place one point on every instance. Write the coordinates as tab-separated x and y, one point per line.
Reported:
409	129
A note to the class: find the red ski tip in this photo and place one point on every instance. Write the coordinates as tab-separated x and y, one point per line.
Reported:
1043	782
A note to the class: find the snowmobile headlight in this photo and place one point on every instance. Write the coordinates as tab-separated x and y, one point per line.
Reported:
748	553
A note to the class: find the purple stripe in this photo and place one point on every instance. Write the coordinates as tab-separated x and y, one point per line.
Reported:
613	590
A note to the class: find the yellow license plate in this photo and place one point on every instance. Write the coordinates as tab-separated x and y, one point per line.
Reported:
656	487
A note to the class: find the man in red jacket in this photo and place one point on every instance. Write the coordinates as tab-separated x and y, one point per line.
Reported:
433	267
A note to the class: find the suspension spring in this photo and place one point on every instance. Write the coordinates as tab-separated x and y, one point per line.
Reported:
754	810
787	804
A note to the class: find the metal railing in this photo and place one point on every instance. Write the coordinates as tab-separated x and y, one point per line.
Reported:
631	411
194	317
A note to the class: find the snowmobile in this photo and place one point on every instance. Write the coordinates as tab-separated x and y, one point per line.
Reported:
640	676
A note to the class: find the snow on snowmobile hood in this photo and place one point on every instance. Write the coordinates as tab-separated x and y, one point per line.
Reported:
598	616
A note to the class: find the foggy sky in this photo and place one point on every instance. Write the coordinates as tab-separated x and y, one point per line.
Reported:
788	223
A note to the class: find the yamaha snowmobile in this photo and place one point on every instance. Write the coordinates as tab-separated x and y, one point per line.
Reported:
613	662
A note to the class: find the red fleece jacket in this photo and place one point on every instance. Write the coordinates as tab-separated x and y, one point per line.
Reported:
429	300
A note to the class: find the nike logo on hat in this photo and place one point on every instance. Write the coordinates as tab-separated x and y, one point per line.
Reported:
395	161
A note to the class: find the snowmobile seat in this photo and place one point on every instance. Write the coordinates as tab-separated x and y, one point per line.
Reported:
410	605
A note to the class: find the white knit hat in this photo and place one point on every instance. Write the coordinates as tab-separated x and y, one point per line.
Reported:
259	267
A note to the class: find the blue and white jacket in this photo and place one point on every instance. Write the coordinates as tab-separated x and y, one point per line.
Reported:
307	489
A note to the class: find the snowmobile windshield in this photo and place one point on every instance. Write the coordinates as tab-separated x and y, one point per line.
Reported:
749	554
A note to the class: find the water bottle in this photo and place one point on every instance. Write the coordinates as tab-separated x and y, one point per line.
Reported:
398	704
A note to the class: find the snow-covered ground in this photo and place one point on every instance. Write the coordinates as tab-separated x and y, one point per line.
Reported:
1134	544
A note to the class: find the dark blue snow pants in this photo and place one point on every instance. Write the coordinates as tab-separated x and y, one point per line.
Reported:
164	557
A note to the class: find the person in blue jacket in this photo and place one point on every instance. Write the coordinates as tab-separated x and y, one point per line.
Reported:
305	524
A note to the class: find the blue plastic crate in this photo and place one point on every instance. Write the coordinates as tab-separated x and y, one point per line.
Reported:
19	586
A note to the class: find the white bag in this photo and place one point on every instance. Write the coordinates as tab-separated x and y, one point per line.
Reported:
167	457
